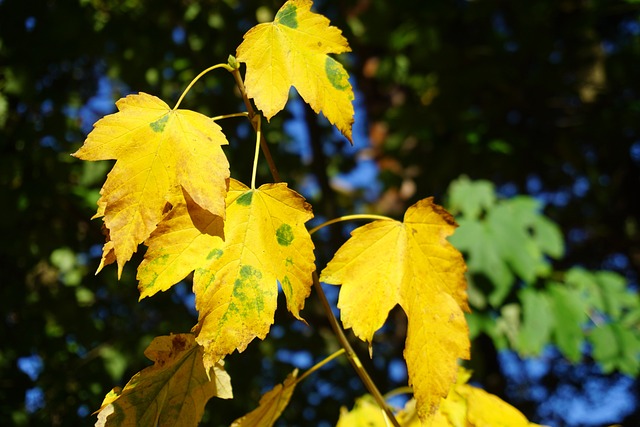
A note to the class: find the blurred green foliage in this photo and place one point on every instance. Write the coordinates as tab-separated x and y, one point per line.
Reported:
520	301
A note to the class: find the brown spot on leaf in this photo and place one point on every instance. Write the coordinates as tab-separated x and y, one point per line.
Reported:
446	216
179	343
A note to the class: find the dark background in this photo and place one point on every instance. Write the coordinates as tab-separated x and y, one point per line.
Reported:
541	98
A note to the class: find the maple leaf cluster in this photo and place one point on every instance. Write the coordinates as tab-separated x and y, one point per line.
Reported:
171	190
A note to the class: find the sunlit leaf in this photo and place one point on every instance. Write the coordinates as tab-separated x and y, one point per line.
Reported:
186	239
464	406
271	405
266	242
365	412
411	264
159	152
487	410
469	406
293	51
174	391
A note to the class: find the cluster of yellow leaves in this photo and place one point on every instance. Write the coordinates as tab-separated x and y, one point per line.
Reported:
465	406
170	189
160	153
412	264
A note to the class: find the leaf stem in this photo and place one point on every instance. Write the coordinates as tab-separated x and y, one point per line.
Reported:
349	218
353	357
196	78
228	116
258	127
252	113
320	364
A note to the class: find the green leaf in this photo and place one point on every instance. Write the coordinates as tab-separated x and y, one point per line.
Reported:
548	236
605	346
615	293
509	226
538	321
470	198
571	316
615	347
585	281
512	240
475	238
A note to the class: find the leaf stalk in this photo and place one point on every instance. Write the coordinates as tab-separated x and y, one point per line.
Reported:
196	78
320	364
263	142
258	128
228	116
351	354
349	218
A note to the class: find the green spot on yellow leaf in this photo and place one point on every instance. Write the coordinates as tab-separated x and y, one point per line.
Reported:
158	125
161	259
152	282
286	286
293	51
205	277
284	234
288	16
336	74
246	289
240	304
245	199
214	254
247	272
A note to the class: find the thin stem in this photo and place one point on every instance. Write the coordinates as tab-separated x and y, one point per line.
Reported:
263	142
353	357
349	218
257	151
320	364
225	66
228	116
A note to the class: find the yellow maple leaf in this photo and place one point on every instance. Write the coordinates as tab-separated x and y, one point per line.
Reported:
293	51
271	405
174	391
385	263
186	239
159	151
487	410
365	412
265	242
464	406
469	406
